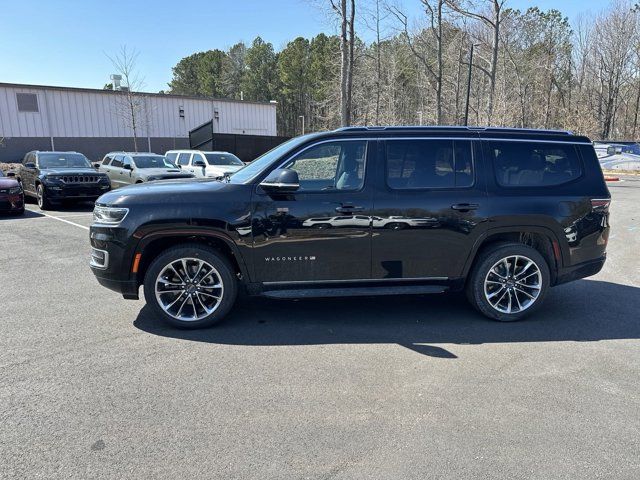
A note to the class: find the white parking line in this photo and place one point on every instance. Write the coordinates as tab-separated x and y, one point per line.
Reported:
63	220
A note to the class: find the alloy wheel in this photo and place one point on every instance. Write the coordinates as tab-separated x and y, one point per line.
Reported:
513	284
189	289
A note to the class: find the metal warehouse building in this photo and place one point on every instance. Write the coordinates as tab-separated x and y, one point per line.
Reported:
94	121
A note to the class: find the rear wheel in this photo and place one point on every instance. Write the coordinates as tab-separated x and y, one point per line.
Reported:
508	282
191	286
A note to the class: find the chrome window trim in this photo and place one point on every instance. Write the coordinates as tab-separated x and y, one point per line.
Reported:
485	139
280	184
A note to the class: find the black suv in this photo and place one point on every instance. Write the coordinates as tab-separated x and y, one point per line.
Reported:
53	177
502	214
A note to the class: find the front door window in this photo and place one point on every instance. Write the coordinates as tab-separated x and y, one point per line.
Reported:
331	166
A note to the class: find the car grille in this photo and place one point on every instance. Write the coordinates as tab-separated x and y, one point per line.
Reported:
80	178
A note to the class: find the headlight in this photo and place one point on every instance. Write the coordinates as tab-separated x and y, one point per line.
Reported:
109	215
50	179
104	178
15	190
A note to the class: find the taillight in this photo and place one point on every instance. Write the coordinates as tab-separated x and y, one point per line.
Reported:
600	204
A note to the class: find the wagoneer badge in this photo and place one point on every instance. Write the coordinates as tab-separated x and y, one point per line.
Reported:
290	259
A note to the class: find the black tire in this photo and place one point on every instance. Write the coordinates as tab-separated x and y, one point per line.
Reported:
42	198
396	226
207	254
475	288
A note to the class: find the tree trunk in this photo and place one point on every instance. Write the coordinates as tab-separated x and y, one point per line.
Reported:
494	61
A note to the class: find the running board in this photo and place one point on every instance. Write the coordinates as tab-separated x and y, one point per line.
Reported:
355	291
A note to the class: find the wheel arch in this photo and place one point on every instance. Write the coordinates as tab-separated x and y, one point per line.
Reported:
542	239
152	244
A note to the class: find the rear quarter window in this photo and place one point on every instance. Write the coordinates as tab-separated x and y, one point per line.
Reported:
534	164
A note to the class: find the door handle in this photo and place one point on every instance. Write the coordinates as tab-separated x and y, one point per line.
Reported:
348	209
465	207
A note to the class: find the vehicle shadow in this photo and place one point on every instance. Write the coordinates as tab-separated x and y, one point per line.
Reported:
583	311
27	214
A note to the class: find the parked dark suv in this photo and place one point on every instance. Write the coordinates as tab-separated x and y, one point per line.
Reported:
502	214
53	177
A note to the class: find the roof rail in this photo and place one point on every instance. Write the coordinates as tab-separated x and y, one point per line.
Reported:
454	127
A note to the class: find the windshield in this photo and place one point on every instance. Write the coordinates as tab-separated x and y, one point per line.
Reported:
222	159
255	168
152	161
63	160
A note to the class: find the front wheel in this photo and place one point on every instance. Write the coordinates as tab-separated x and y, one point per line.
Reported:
191	286
508	282
42	198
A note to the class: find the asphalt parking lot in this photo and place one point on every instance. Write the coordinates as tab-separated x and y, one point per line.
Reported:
92	386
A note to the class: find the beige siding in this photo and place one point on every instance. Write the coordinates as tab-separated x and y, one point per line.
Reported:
80	113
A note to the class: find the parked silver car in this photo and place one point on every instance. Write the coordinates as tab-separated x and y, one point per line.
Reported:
127	168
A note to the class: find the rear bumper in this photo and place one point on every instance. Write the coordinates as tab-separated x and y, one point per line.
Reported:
581	270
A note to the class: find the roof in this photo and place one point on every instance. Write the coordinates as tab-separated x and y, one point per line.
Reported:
115	92
454	128
495	133
133	154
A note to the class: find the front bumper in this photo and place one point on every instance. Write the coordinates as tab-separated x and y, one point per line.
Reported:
111	260
76	192
10	203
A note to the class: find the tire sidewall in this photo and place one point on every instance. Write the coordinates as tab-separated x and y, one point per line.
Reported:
207	254
40	197
475	290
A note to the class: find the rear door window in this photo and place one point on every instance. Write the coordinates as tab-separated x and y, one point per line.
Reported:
183	158
534	164
424	163
117	161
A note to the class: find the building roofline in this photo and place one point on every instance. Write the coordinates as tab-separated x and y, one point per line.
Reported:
146	94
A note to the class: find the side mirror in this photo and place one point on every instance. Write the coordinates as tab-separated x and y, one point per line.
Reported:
281	180
199	163
11	174
96	165
30	165
126	166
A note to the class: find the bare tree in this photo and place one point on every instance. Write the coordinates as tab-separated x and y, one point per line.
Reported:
433	11
346	11
494	21
131	107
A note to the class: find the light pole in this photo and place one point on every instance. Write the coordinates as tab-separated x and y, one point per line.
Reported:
466	106
302	117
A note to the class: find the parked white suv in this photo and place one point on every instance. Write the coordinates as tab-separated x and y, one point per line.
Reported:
205	164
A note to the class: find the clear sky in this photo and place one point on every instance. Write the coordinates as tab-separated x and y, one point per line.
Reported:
64	42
